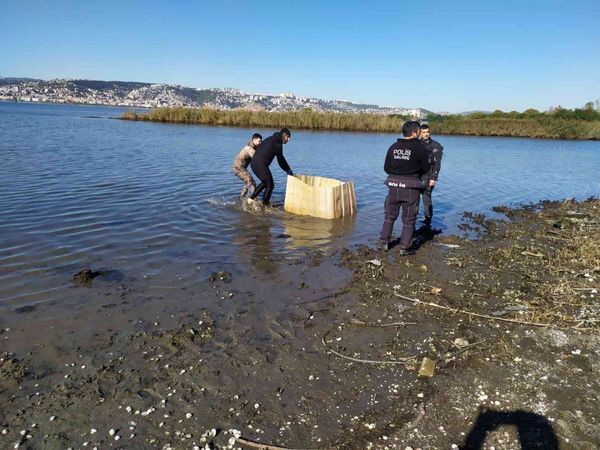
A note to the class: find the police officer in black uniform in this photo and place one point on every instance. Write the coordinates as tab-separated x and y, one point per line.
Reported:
435	153
406	163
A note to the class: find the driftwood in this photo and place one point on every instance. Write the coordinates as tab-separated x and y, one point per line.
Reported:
403	361
501	319
258	445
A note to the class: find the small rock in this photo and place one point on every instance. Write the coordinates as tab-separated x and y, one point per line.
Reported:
148	411
112	431
84	277
93	431
188	415
443	244
460	343
423	268
220	276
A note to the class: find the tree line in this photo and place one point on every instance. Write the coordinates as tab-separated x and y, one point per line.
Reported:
590	112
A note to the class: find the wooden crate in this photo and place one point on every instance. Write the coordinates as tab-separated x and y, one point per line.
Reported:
319	197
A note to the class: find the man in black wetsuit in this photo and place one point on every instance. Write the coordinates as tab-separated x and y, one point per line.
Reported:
270	148
405	163
435	152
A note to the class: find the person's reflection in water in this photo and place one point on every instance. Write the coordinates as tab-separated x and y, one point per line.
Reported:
535	431
254	242
312	232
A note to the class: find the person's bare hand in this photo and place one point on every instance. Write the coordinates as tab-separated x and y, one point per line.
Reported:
431	183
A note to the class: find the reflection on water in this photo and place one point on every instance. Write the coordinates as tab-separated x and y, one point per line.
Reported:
312	232
255	243
158	203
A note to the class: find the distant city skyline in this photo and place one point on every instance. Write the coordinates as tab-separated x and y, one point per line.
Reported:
441	56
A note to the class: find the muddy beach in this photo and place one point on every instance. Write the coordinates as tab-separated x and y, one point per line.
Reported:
510	317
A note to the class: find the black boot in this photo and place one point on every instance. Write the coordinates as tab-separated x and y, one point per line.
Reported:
382	245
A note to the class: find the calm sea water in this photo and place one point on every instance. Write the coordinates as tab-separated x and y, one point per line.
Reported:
158	203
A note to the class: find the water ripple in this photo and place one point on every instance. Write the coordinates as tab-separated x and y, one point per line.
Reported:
159	203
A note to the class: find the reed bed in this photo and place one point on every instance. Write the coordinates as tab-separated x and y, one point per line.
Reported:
545	127
306	119
542	125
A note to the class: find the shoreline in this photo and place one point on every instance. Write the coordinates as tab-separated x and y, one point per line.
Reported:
570	130
76	104
170	372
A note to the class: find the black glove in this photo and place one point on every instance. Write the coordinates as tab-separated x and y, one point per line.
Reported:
290	173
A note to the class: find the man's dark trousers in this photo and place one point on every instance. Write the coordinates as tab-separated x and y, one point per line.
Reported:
408	200
427	204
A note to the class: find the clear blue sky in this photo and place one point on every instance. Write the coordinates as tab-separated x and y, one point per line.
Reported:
441	55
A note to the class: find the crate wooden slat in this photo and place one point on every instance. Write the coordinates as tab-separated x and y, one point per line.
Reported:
327	198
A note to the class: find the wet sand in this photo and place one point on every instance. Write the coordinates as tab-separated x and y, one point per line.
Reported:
325	354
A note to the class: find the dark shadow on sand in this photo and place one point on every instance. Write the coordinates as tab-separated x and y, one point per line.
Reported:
535	431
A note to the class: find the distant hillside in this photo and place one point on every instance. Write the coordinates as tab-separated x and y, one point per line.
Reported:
137	94
12	80
476	111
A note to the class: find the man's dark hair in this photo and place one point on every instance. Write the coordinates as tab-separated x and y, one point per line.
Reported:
424	127
410	127
285	131
256	135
